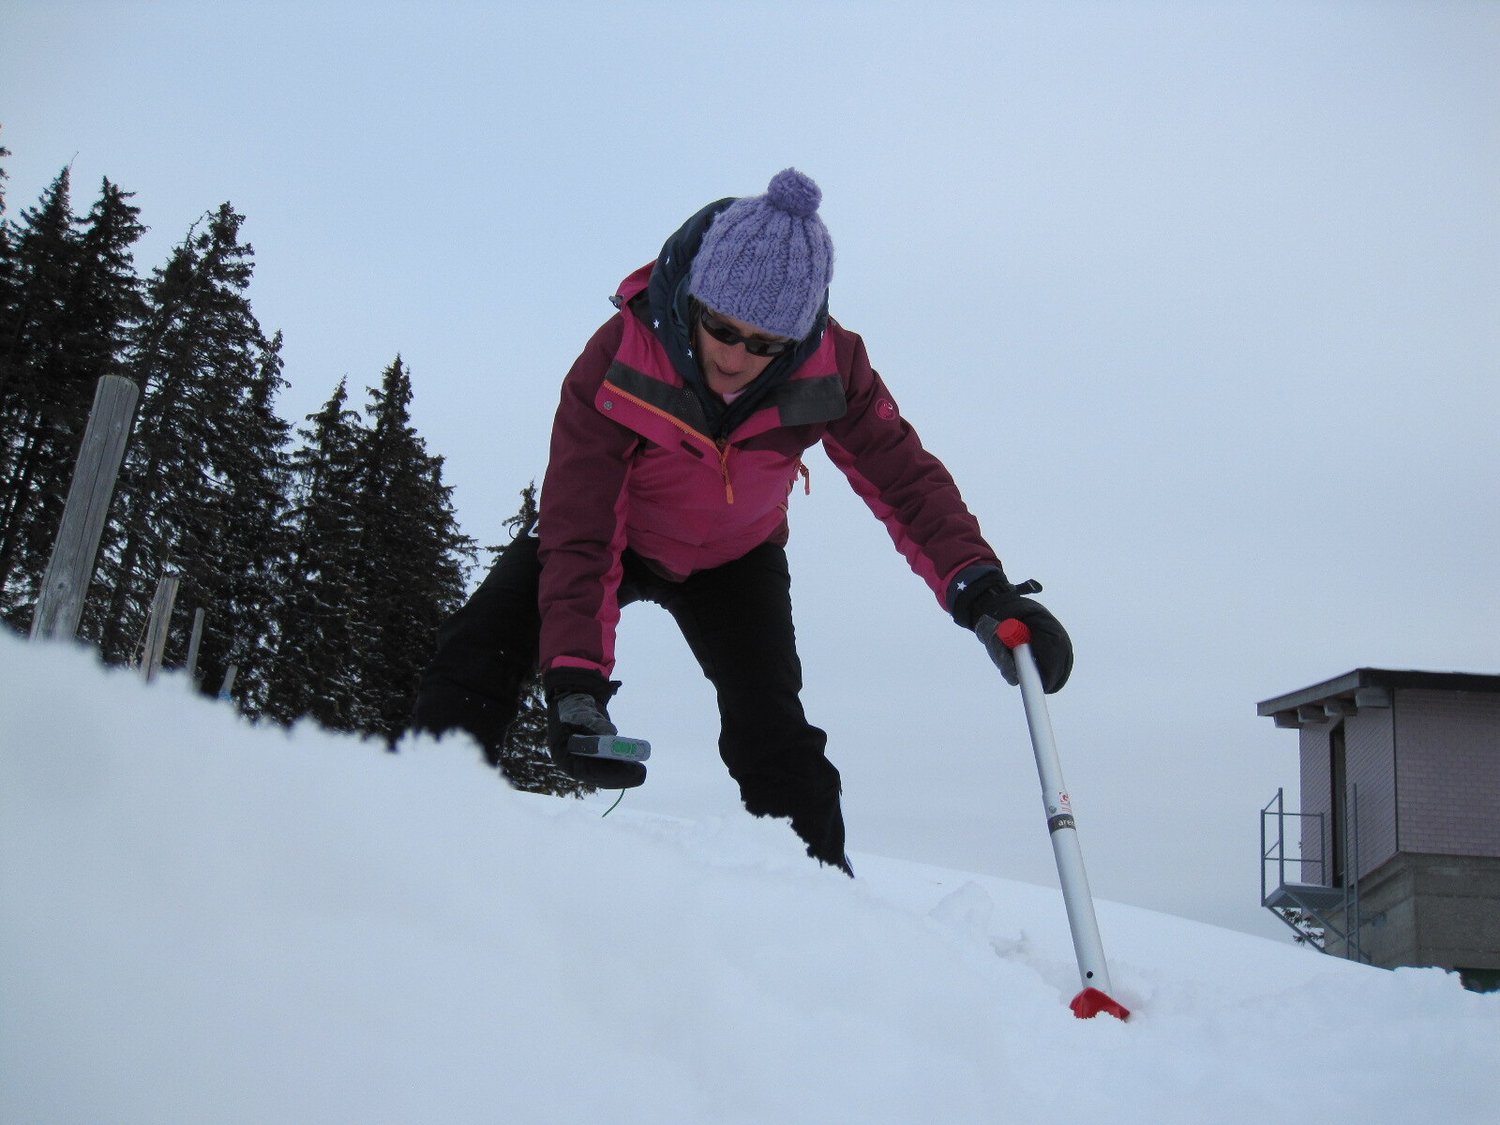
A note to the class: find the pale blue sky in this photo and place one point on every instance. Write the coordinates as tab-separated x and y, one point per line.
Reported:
1200	302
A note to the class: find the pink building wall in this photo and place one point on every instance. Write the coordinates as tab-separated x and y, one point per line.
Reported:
1448	772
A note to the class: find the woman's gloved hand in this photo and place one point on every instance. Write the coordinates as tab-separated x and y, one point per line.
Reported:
578	703
981	598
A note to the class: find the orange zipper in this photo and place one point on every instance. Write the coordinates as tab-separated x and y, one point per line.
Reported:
666	416
678	423
724	469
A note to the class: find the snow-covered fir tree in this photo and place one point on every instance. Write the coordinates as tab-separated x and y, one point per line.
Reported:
315	671
242	576
68	300
197	354
524	760
412	562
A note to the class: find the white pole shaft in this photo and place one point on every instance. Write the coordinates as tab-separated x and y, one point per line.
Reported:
1064	831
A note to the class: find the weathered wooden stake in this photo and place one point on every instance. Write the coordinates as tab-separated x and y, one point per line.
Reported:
159	625
192	660
59	608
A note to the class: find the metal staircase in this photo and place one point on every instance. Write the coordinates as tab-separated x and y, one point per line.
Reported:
1320	913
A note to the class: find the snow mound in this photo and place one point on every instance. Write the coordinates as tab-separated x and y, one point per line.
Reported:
205	921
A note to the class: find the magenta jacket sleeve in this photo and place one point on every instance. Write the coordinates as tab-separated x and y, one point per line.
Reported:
582	524
907	488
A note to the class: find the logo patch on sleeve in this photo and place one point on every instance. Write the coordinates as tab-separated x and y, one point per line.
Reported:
885	410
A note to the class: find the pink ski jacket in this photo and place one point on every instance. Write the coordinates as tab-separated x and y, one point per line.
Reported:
632	467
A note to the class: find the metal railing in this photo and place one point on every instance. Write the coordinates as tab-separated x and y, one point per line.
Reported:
1275	852
1314	909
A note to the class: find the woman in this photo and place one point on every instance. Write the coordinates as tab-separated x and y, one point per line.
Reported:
674	451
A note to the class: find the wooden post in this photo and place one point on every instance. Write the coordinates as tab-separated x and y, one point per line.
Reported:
159	625
192	660
59	607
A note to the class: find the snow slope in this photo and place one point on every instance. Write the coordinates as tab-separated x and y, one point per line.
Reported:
201	921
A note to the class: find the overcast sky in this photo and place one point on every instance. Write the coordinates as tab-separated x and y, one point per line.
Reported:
1200	303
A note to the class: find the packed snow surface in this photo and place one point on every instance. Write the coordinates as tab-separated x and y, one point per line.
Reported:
205	921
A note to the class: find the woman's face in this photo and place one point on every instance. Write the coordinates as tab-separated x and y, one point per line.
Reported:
730	368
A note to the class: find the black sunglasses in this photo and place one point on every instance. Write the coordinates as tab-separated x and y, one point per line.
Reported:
755	345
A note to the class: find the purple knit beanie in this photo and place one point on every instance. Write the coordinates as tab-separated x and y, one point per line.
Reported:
767	259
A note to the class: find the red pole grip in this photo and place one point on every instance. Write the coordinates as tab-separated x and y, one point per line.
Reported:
1013	632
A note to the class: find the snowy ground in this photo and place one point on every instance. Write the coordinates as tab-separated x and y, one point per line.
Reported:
205	922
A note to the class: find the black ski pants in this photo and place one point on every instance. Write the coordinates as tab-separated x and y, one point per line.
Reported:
736	619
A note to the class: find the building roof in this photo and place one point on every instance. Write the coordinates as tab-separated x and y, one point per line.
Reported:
1365	687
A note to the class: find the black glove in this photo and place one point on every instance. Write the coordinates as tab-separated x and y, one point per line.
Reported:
982	597
577	703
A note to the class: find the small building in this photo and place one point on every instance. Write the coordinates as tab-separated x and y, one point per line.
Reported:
1394	856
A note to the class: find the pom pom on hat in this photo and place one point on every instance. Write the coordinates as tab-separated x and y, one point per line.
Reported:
794	193
767	259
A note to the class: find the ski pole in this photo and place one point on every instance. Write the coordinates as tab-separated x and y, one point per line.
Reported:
1087	947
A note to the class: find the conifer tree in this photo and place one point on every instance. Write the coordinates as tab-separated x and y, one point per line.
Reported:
6	259
32	334
43	253
101	306
10	294
239	575
314	673
524	760
196	353
411	563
